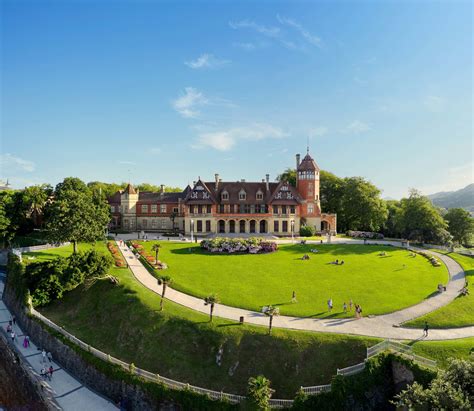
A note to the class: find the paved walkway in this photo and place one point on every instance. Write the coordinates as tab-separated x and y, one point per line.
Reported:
70	394
383	326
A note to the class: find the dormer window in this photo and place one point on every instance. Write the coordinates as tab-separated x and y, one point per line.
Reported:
242	195
259	195
225	195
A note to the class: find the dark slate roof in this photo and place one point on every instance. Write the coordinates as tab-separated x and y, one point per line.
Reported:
308	164
250	188
114	199
165	198
284	200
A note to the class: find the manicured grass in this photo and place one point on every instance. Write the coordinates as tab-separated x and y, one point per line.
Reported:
441	351
380	284
64	251
179	343
459	313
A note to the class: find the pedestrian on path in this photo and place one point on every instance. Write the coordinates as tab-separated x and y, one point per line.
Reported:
43	356
43	372
344	307
50	357
293	297
51	370
27	341
350	304
14	320
12	335
425	329
330	304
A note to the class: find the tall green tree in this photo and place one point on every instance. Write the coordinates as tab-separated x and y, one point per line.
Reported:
331	190
6	232
452	389
288	175
421	221
460	225
75	214
392	225
361	206
35	199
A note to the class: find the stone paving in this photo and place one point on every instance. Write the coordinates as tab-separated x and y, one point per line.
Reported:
382	326
69	393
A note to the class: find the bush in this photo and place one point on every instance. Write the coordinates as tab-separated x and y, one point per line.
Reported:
306	231
238	245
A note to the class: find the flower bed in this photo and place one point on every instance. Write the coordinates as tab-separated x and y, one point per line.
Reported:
239	245
147	257
432	259
116	254
365	234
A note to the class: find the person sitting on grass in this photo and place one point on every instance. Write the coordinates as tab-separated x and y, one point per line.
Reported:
305	257
464	291
342	262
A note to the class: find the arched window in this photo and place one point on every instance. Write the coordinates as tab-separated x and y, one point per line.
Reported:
242	195
225	195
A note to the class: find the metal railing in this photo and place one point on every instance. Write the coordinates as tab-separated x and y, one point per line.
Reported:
385	345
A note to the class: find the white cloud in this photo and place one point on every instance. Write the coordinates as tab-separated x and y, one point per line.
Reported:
249	24
357	127
187	105
225	140
10	163
246	46
206	61
307	36
434	104
318	131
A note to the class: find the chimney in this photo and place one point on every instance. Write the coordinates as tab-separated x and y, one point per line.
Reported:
297	161
217	180
267	177
162	188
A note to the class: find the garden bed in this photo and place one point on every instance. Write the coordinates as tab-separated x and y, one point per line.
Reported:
251	245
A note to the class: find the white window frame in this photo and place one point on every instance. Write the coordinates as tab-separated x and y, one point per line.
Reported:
154	208
162	208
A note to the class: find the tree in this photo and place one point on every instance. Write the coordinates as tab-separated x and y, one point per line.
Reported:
259	392
75	214
421	221
460	225
165	281
452	389
5	221
35	199
211	300
156	249
362	207
271	312
392	225
331	190
288	175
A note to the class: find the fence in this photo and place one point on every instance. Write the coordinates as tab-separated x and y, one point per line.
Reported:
233	398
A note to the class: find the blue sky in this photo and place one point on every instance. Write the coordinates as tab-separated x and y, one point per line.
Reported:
164	92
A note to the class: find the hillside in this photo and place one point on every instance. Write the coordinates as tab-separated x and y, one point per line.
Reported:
463	198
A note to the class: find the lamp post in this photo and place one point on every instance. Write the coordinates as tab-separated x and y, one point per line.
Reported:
292	231
192	229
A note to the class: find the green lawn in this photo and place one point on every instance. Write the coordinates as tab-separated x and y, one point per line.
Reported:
441	351
64	251
459	313
380	284
179	343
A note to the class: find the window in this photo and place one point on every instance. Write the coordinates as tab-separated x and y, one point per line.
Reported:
259	195
144	223
125	209
221	208
199	209
275	209
276	226
191	209
252	209
263	208
112	208
163	224
310	208
241	209
154	208
242	195
225	195
283	209
125	223
209	209
208	225
144	208
292	209
163	208
284	226
175	210
199	226
153	224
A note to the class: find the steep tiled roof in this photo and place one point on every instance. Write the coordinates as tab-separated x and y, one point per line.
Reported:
115	198
167	198
251	189
308	164
130	189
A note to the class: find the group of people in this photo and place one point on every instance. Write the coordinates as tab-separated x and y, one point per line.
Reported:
47	372
337	262
465	289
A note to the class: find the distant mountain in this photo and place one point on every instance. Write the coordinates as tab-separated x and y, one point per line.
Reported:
463	198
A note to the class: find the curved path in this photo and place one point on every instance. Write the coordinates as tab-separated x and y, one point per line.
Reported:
382	326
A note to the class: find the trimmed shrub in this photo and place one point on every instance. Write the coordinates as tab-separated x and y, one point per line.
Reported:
306	231
365	235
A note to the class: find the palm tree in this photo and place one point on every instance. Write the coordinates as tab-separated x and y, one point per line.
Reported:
164	281
259	391
156	249
271	312
211	300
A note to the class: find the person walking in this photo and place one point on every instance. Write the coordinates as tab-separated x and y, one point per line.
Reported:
50	357
330	304
14	320
12	335
344	307
293	297
27	341
43	356
350	304
51	370
425	329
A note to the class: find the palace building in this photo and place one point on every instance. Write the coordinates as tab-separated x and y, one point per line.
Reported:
224	207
